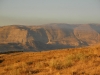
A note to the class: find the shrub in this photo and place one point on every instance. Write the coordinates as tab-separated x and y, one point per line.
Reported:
56	64
67	62
29	63
76	57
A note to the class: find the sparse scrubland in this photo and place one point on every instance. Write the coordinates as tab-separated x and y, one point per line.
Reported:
74	61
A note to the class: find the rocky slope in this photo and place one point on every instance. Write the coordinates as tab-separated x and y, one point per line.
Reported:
46	37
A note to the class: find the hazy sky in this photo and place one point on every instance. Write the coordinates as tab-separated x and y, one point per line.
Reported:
31	12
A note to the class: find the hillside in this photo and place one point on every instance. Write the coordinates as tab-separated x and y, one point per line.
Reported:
75	61
46	37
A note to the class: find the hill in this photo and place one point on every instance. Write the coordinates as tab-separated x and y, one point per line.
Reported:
75	61
47	37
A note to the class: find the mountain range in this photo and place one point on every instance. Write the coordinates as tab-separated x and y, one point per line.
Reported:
48	36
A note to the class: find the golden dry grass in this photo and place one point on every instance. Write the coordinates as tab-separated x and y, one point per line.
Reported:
78	61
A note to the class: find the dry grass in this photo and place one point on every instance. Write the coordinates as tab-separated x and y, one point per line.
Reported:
79	61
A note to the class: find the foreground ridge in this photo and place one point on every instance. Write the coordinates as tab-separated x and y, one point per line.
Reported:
74	61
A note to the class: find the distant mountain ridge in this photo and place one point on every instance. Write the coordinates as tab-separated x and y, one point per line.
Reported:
50	36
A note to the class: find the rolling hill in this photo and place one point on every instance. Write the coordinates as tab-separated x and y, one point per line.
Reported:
72	61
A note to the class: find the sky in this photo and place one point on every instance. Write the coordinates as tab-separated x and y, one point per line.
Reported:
37	12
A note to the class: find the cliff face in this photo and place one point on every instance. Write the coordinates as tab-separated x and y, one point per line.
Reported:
46	37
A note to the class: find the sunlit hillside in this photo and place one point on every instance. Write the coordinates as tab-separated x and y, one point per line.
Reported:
76	61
